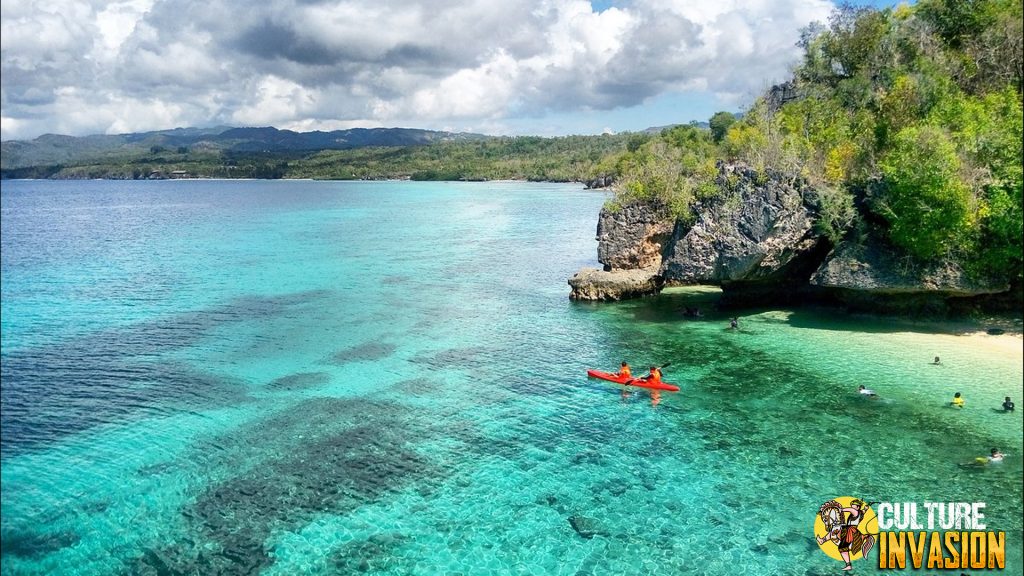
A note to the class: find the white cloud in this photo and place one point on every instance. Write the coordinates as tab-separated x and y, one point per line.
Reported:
10	126
116	22
276	101
483	91
45	35
327	63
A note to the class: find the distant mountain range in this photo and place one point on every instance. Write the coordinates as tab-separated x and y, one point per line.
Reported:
53	149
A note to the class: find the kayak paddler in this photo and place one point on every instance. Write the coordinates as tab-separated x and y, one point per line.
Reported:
624	371
654	376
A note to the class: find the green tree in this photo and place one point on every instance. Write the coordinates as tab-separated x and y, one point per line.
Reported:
636	141
926	203
958	20
720	123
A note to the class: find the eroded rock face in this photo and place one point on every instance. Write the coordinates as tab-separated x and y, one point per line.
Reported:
755	232
876	268
632	237
594	284
757	240
759	233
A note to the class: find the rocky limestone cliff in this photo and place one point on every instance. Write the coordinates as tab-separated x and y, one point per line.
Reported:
761	230
632	236
877	267
631	240
871	275
753	238
757	240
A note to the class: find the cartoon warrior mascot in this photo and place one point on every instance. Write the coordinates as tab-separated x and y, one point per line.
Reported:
843	532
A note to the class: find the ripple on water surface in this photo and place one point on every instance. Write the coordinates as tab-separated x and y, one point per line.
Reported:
302	396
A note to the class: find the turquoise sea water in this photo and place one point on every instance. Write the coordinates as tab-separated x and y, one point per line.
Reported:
203	377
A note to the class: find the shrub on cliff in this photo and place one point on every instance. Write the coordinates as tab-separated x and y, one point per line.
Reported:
675	168
914	115
928	206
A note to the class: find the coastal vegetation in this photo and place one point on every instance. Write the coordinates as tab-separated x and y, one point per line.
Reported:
565	159
907	122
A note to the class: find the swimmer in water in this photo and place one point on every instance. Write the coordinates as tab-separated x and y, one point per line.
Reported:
994	457
957	402
1008	405
867	392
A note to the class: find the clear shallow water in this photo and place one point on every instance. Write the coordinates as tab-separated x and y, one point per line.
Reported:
388	378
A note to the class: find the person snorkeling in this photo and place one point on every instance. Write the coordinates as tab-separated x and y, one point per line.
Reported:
957	401
1008	405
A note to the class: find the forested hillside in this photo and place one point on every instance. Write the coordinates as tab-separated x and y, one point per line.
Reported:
563	159
907	121
569	158
53	150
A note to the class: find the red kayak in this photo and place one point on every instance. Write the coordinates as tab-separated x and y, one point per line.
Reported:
638	382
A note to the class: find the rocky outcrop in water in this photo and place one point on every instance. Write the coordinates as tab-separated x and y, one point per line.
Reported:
599	182
756	237
594	284
757	240
631	240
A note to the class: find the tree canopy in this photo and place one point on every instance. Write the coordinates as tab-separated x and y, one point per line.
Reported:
908	120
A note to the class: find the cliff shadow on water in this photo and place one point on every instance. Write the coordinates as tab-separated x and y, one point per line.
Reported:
711	304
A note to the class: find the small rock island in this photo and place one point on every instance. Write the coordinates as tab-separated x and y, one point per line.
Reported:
758	241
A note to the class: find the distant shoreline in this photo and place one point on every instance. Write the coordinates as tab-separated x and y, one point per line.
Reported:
306	179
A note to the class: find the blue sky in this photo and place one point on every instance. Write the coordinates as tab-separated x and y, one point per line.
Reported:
545	67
